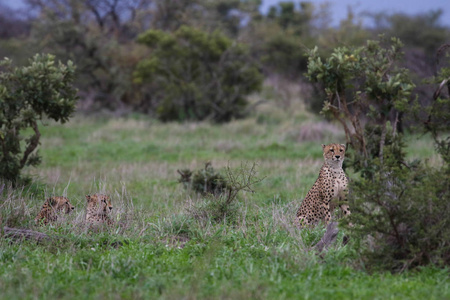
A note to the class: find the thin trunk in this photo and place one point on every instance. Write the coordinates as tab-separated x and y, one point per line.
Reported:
382	141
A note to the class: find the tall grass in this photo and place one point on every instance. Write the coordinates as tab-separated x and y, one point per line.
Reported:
157	248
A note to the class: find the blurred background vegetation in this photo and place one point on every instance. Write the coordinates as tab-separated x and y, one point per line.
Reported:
228	48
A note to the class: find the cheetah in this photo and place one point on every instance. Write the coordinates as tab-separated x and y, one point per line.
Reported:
329	188
52	206
98	209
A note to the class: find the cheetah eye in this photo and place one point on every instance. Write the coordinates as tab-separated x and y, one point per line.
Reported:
332	150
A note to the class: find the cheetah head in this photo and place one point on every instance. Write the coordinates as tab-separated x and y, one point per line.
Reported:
61	204
99	201
334	154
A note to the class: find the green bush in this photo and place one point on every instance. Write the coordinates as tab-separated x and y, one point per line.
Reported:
37	92
194	75
401	217
399	208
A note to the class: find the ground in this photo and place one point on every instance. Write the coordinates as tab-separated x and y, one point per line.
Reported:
158	250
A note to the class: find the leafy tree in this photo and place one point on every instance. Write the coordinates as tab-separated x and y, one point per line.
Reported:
280	38
227	16
287	16
438	112
423	31
30	94
364	82
194	75
98	36
398	207
422	34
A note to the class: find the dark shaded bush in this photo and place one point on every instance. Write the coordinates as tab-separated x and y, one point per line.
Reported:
404	212
204	181
400	211
194	75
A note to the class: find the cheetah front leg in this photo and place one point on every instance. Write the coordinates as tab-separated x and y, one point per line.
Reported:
343	203
345	209
326	213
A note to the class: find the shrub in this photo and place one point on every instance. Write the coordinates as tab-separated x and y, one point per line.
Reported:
15	209
28	95
401	216
398	207
219	194
193	75
204	181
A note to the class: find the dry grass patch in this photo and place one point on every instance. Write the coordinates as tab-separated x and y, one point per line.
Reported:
319	131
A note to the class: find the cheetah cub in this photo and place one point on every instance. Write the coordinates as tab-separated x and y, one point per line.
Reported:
330	187
50	209
98	209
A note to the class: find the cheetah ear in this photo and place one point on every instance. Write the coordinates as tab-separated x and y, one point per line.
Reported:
88	197
323	146
343	145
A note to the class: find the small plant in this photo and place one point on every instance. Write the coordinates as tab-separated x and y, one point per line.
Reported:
219	193
204	181
15	210
40	91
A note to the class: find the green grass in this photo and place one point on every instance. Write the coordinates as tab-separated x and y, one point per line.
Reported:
163	250
230	266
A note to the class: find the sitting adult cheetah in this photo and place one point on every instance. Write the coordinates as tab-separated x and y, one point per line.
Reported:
98	209
52	206
331	186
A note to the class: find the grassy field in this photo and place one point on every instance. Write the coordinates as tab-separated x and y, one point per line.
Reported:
159	247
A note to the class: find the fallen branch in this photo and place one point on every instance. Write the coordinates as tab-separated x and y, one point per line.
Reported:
20	234
328	238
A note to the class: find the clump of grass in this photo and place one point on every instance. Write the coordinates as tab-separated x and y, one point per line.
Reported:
15	210
214	208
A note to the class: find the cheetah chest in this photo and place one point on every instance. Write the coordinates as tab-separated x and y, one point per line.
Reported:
338	183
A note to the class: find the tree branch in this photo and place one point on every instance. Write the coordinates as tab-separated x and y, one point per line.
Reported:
34	142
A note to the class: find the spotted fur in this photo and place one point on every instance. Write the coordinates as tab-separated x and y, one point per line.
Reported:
329	188
98	209
52	206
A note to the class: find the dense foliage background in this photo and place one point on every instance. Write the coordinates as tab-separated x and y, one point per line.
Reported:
101	38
